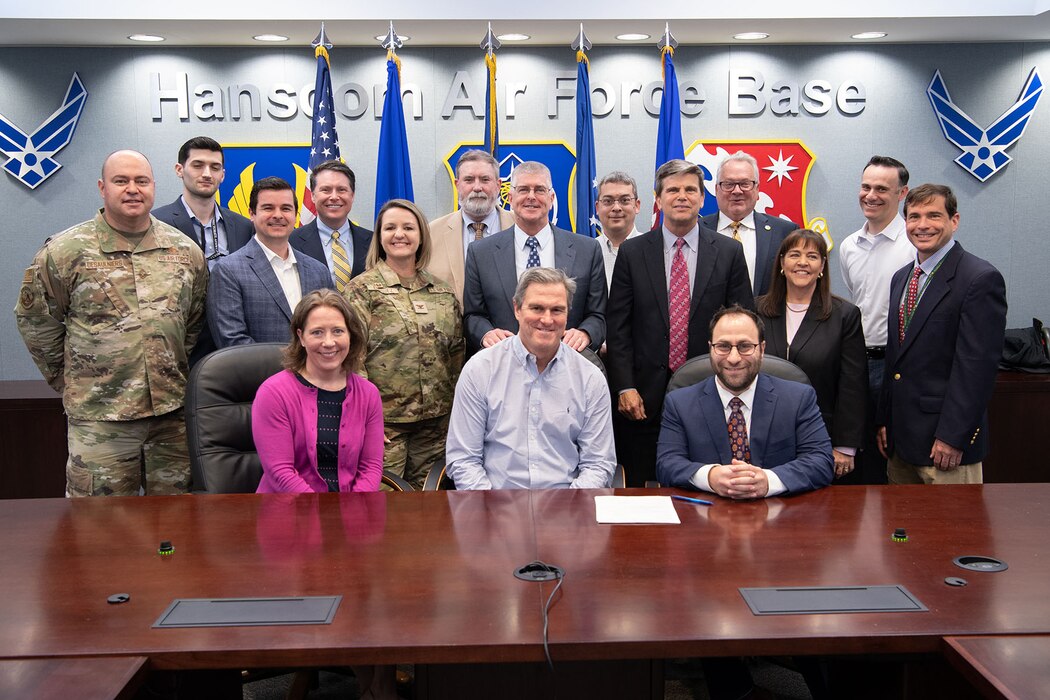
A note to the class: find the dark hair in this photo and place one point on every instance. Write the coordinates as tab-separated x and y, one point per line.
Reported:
376	252
677	167
335	166
887	162
294	355
270	183
737	309
924	193
773	302
200	143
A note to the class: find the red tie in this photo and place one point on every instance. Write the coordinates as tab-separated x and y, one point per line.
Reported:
910	300
737	426
678	308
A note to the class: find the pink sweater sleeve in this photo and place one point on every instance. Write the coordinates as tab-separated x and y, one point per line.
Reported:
272	431
370	463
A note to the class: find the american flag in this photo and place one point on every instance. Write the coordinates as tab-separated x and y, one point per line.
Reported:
324	141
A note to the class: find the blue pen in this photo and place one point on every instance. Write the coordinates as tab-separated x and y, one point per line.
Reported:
693	500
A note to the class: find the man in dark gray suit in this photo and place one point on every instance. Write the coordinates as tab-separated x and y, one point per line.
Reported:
252	293
217	230
332	238
494	264
736	189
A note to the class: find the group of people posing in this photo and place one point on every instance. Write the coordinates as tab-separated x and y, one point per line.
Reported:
570	342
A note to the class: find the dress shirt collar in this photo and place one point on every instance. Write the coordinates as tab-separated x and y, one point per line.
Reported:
934	260
216	215
692	239
545	238
528	360
272	256
893	230
326	231
491	224
747	396
611	248
747	222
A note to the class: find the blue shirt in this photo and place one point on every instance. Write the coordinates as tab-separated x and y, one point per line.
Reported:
208	235
345	240
514	427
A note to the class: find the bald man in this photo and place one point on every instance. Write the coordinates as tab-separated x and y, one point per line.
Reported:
109	310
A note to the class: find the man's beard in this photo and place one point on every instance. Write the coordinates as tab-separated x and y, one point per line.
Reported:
478	206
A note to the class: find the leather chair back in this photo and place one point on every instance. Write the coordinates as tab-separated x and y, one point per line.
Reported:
697	369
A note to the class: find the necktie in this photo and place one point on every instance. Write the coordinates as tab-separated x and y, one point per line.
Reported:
534	252
340	263
737	427
910	300
478	227
736	230
678	308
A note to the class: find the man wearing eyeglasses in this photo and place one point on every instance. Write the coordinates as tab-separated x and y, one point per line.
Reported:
736	189
743	434
617	207
494	264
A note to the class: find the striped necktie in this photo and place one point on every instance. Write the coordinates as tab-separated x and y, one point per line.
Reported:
340	263
478	227
736	230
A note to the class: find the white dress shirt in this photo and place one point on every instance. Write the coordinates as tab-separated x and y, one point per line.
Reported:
521	251
747	396
868	262
609	252
287	272
747	239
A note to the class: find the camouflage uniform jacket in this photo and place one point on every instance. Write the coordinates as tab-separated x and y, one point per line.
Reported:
415	341
110	324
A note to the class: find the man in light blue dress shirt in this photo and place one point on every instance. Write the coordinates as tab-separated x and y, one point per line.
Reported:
530	412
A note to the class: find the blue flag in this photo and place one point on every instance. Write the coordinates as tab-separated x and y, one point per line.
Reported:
586	220
393	170
669	137
491	114
324	142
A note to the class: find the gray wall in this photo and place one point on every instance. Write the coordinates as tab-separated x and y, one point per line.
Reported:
984	79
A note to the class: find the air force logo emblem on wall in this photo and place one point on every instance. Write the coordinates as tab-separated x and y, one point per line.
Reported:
30	156
984	150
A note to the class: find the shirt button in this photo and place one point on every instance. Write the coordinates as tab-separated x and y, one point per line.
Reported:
897	376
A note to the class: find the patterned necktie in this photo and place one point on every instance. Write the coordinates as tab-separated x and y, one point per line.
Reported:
340	263
910	300
678	308
736	230
737	427
478	227
534	252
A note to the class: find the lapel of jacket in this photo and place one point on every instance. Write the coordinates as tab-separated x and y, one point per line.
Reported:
454	253
653	256
361	243
714	414
761	419
936	290
706	253
182	222
806	328
564	251
762	236
503	263
264	271
776	336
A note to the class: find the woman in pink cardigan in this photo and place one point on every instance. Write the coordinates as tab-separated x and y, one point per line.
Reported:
318	426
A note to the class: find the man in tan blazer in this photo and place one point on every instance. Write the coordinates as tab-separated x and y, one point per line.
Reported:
478	216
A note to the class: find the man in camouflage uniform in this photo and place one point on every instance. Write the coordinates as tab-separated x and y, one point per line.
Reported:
110	310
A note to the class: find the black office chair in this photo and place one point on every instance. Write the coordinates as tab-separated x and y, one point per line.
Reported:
619	480
219	399
697	369
438	479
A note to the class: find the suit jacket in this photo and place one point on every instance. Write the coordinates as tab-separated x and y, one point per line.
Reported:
770	232
446	258
639	324
787	434
939	381
831	353
308	240
239	231
246	303
490	277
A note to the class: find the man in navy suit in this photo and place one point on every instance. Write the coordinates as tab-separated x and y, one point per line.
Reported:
743	434
736	189
217	230
332	186
945	337
494	264
252	293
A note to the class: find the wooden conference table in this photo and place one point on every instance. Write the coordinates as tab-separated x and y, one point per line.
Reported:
426	578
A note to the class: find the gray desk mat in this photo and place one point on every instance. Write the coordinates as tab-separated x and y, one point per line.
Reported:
240	612
809	600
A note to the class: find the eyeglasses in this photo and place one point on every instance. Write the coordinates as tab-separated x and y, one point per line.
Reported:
624	201
524	190
745	185
745	348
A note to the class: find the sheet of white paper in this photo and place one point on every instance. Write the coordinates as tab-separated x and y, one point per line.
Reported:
635	509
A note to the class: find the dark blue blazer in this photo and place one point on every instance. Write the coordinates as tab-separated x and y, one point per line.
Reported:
939	381
770	232
239	231
490	278
787	434
246	303
308	240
